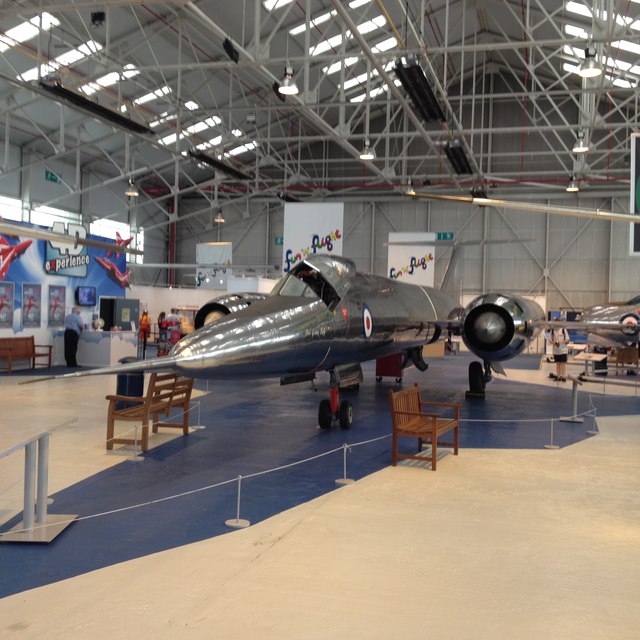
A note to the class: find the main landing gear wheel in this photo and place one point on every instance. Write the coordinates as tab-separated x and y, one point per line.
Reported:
346	415
476	380
325	415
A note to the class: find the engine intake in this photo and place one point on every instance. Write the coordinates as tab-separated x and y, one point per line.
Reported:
224	306
499	327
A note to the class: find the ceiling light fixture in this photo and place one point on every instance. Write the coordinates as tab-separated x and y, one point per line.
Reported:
581	145
288	86
367	152
131	189
590	68
219	217
573	186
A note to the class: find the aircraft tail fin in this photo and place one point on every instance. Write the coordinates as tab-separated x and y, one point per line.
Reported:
452	280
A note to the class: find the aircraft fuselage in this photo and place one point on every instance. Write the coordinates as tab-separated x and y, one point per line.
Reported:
285	334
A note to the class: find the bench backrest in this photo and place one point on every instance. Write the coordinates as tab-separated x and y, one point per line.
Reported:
23	345
627	355
168	389
402	404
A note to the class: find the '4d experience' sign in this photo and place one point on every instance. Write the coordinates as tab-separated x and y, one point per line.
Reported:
66	259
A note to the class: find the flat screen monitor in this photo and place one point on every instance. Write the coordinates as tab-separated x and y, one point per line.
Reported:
86	296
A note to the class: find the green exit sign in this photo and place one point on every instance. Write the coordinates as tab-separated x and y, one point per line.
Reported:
444	235
279	241
51	177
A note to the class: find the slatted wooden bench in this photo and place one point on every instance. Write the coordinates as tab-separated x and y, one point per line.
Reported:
165	392
409	419
24	348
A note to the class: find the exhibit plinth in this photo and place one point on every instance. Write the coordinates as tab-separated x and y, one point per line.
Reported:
105	348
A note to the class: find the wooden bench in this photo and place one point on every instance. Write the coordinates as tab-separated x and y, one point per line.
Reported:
23	348
626	358
409	419
165	392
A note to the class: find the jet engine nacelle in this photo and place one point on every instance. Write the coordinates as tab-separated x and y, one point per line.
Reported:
224	306
499	327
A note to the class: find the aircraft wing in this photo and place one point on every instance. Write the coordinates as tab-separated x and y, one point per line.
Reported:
577	325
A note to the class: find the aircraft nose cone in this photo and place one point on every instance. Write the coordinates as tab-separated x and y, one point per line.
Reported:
490	327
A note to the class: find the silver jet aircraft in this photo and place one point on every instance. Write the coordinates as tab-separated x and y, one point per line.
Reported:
326	316
611	324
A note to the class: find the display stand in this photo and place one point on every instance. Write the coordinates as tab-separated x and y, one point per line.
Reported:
574	402
37	525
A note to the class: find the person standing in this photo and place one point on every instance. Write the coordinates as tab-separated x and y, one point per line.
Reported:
560	344
72	330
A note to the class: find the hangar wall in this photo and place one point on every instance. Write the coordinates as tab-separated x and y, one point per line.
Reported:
574	262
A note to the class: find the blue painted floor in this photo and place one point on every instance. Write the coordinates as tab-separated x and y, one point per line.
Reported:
256	426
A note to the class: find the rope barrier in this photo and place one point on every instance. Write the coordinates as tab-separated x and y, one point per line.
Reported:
205	488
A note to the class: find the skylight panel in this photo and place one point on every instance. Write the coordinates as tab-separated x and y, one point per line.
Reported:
204	124
129	71
582	10
625	45
335	42
165	117
170	139
26	31
354	4
336	66
578	8
576	32
372	94
148	97
326	45
301	28
371	25
358	80
621	82
385	45
249	146
270	5
63	60
191	105
214	142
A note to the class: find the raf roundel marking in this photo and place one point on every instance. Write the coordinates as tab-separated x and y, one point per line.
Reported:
367	321
630	324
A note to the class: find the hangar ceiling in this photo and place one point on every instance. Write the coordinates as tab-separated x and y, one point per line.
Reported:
503	73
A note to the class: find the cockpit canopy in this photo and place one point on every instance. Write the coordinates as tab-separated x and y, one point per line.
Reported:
320	276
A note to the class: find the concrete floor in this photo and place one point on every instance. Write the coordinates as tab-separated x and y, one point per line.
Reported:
495	544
